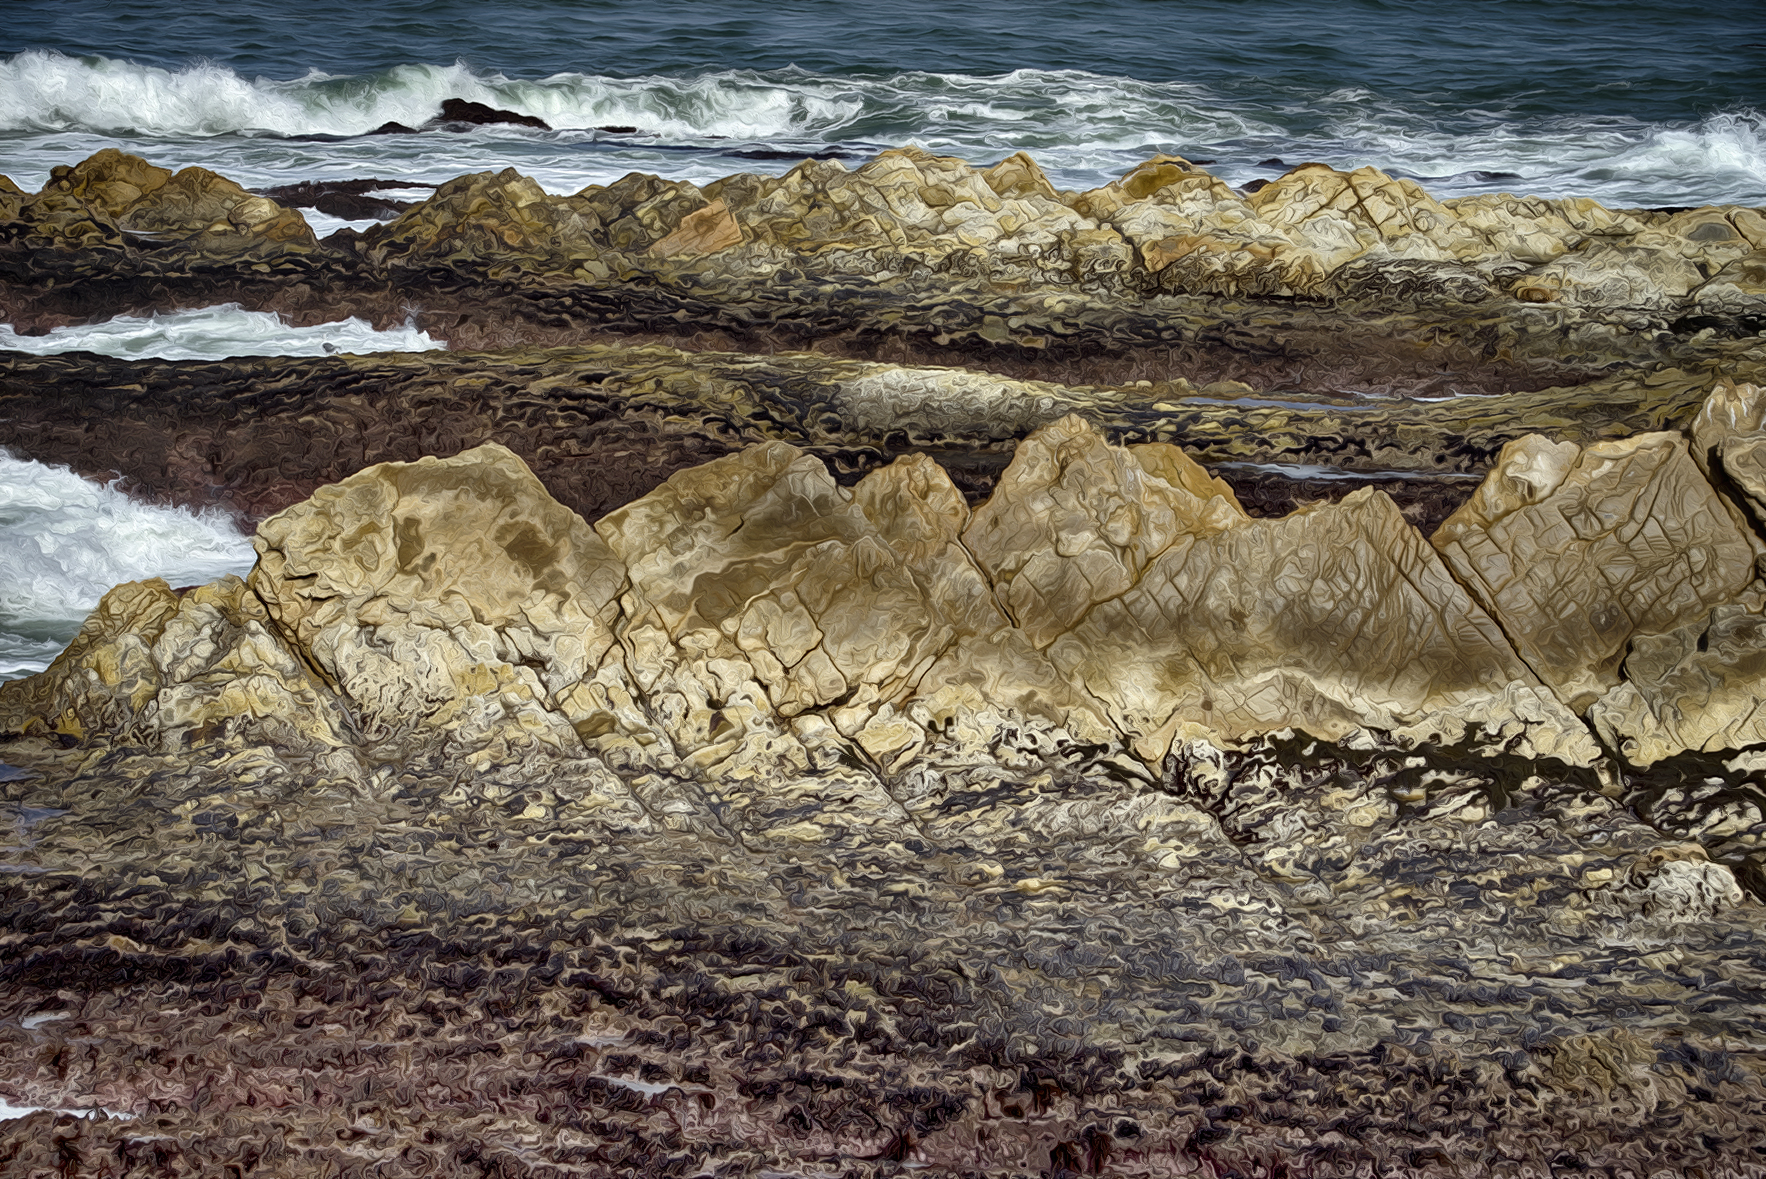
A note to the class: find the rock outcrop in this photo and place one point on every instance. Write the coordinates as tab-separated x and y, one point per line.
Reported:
933	254
1576	551
1119	596
827	827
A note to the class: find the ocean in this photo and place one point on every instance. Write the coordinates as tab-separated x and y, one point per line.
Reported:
1635	104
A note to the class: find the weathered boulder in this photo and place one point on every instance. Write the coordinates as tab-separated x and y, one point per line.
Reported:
1576	550
1075	521
1699	687
488	217
163	670
194	216
444	597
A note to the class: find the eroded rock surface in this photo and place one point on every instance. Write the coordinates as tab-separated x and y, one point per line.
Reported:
1576	550
1355	280
457	596
780	824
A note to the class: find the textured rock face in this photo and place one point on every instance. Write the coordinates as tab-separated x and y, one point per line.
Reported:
1576	550
452	595
932	253
166	671
95	202
1119	595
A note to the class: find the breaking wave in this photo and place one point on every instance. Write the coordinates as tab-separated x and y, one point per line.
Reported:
1083	127
67	540
216	333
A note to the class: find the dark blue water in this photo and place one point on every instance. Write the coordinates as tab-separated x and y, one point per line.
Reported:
1633	103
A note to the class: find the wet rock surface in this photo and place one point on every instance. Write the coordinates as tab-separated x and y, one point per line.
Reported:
603	425
1326	279
684	757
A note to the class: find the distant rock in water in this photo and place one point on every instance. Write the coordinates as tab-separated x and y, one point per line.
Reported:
459	113
351	200
460	110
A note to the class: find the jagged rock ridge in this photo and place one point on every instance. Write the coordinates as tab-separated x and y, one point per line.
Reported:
934	252
751	609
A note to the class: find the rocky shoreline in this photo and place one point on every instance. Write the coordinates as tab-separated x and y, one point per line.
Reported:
652	752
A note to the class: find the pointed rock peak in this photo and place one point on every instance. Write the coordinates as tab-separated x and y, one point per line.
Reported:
756	508
1075	520
1170	463
8	188
1527	470
110	180
1730	411
913	503
477	529
1018	176
508	185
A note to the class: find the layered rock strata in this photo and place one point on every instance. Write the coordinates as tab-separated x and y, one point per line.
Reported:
1341	279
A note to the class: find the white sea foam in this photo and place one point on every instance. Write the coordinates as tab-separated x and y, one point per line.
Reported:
8	1111
65	540
1084	128
216	333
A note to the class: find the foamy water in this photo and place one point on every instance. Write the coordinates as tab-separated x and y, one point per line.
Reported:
1085	128
65	540
217	333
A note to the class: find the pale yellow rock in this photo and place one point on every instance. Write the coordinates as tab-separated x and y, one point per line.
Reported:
1699	687
1575	551
1613	275
1019	176
224	669
1732	412
1328	620
1739	288
444	594
1075	521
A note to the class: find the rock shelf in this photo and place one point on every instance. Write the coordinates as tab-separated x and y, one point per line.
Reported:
728	730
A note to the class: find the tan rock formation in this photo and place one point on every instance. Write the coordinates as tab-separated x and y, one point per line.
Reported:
446	594
773	574
1576	550
1701	687
752	613
87	206
155	668
486	216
